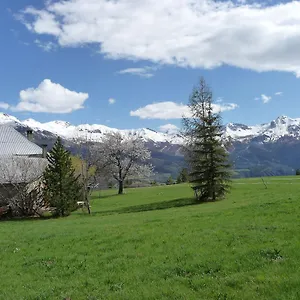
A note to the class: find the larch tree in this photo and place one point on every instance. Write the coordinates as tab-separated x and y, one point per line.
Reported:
122	157
204	150
62	188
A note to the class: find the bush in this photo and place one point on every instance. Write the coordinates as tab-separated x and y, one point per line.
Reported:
170	181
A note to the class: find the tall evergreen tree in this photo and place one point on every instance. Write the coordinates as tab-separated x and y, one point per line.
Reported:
205	153
62	188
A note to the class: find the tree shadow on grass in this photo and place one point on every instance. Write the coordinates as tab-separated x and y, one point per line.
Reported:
152	206
23	219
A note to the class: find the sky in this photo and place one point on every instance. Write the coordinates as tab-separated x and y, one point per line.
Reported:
134	63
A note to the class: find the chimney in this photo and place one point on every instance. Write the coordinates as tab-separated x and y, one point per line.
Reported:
30	135
44	147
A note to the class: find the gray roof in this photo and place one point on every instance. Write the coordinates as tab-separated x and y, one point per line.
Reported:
21	169
14	143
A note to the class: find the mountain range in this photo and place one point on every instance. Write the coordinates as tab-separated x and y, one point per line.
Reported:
268	149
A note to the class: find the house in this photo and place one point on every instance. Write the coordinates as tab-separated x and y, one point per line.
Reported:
22	163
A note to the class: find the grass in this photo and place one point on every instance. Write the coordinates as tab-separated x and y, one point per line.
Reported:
154	243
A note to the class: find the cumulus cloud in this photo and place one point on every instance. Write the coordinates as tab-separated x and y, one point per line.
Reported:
169	128
265	99
146	72
44	22
161	110
111	101
278	93
172	110
51	98
204	34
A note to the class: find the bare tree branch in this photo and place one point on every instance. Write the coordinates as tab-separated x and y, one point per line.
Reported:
20	184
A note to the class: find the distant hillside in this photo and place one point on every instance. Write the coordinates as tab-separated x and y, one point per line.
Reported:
268	149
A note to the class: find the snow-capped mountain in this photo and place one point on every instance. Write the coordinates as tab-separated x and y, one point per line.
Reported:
93	132
267	149
269	132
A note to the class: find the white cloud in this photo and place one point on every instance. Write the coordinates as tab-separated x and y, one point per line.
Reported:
46	46
278	93
44	22
204	34
51	98
146	72
161	110
4	105
171	110
265	99
111	101
169	128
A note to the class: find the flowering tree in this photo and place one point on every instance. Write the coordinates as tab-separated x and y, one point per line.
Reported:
121	158
20	184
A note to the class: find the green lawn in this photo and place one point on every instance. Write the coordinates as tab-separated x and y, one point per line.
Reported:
154	243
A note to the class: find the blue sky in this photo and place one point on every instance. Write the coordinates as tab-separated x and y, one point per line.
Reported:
65	60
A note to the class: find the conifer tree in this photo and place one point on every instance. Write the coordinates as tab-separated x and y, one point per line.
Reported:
205	153
62	188
183	176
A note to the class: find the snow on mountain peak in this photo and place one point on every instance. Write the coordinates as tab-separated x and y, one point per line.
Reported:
283	117
276	129
6	118
272	131
95	132
61	123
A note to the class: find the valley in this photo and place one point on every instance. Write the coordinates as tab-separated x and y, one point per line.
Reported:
262	150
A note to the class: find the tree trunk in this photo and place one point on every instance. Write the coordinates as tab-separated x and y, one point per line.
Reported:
88	200
86	197
121	187
88	207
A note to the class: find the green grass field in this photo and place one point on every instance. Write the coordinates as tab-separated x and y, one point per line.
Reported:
154	243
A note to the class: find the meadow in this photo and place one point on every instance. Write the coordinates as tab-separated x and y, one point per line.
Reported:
156	243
